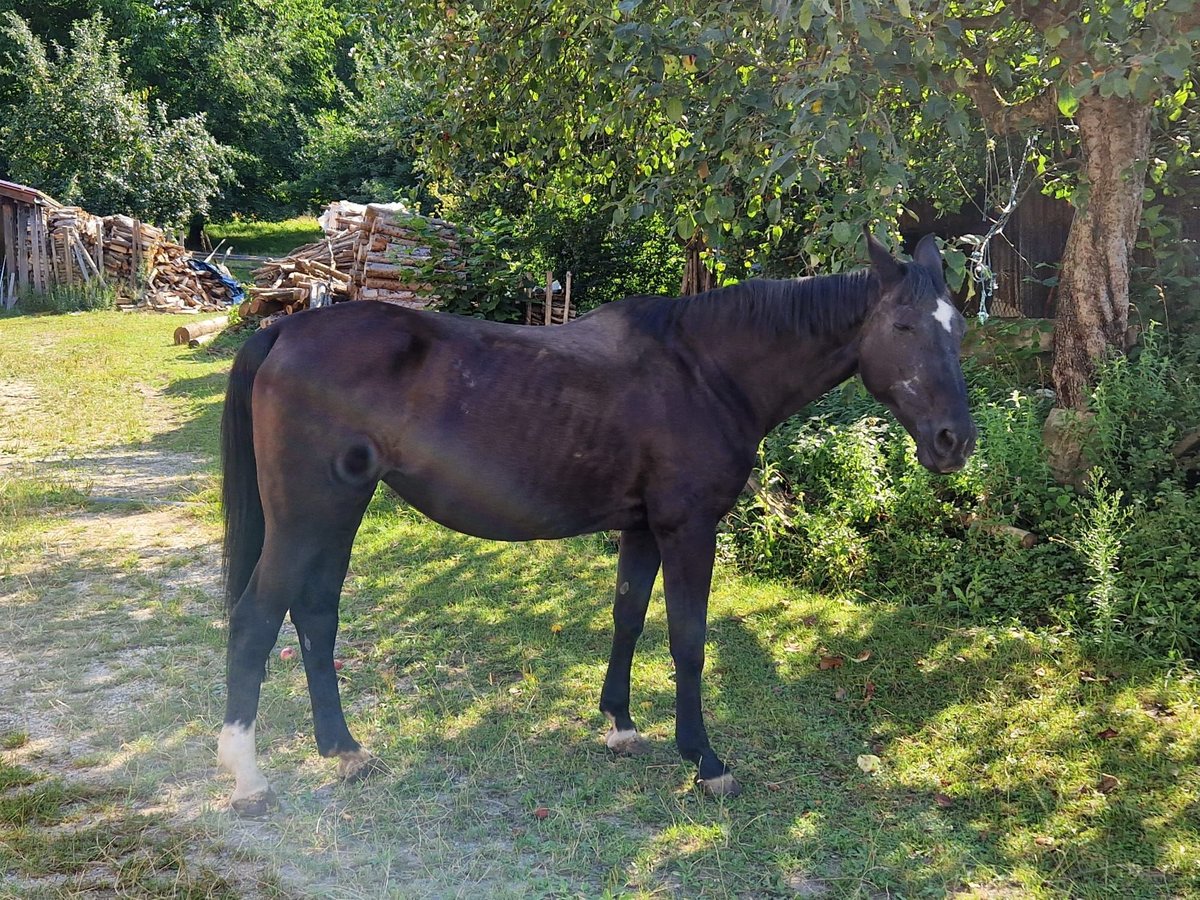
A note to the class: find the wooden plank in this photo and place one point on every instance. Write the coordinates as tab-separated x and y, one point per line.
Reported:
8	220
45	273
22	248
86	267
136	262
549	299
567	300
37	252
100	247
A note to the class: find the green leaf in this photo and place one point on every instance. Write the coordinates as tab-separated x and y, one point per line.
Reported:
1067	103
675	109
905	8
844	233
1055	35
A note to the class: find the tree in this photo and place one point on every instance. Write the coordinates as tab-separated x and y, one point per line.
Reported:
78	132
1107	67
259	70
728	117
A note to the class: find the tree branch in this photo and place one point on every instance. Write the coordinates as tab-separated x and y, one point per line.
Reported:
1003	117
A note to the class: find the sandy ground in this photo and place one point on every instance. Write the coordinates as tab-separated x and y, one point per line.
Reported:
95	618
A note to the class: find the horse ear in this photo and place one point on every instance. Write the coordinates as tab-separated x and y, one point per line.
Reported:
928	256
883	264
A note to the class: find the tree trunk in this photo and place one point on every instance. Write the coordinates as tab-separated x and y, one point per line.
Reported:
697	277
196	238
1093	295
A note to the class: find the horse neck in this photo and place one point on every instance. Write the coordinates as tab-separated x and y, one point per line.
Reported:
788	344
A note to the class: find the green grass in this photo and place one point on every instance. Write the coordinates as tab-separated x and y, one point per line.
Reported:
255	238
103	380
70	841
1012	763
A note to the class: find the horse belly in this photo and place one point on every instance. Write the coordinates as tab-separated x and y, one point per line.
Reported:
499	508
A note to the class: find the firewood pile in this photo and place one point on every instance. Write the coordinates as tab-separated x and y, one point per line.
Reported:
149	270
373	252
136	252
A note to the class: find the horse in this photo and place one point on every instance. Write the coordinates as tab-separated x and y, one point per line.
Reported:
654	408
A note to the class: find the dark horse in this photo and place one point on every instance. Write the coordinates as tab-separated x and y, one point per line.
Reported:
654	409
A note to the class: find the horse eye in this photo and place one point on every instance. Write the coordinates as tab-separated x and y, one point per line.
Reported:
902	326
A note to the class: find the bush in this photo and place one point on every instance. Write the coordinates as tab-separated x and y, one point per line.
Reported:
77	131
848	506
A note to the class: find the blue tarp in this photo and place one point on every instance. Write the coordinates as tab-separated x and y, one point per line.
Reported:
236	294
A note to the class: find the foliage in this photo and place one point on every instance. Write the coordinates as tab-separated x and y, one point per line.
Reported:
362	150
255	237
571	233
77	131
64	298
849	507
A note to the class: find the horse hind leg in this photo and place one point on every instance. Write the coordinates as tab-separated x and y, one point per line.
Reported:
302	567
637	567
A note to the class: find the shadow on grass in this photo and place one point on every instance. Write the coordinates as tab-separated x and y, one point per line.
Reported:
993	740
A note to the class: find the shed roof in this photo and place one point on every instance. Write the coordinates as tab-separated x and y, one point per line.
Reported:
22	194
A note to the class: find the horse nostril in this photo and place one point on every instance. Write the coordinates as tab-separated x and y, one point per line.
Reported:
945	441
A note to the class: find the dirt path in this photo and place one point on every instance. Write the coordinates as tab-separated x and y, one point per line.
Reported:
110	629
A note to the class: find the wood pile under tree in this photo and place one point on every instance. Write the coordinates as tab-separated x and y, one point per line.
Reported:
373	252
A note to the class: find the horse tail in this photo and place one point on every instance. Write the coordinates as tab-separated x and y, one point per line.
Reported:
245	527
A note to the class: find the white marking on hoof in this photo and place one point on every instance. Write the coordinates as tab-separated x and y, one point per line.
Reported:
944	314
354	765
625	743
235	753
721	786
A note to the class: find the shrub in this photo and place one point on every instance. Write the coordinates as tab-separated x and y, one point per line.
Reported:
848	506
77	131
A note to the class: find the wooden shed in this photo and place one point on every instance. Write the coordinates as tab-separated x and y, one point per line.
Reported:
42	243
1024	257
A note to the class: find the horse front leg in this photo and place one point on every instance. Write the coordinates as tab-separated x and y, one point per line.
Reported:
637	567
687	561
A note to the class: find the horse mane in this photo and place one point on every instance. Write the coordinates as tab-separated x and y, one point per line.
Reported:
815	306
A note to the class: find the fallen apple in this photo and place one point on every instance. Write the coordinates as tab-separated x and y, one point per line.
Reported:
337	665
287	653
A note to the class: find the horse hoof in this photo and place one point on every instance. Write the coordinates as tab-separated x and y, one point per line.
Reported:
625	743
721	786
256	805
359	764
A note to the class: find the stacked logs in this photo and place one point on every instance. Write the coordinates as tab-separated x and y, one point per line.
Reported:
313	275
373	252
75	251
406	259
141	256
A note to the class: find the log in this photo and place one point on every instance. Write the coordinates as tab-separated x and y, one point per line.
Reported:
202	339
1026	539
185	334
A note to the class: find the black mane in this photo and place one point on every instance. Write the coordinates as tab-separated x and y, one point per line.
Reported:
817	305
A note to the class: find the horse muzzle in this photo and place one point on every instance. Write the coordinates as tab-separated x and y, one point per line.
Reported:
947	449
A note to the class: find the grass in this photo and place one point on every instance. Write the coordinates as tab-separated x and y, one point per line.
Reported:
1011	763
256	238
70	841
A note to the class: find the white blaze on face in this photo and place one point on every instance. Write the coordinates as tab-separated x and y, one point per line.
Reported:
944	314
235	753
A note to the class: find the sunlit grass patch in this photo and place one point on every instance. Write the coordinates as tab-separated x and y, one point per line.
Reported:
262	238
